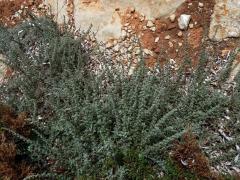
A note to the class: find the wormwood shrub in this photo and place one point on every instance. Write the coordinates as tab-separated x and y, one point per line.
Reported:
105	125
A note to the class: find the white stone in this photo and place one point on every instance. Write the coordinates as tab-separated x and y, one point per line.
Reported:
130	48
167	37
148	52
153	29
150	24
156	39
200	4
180	34
124	34
183	21
172	61
116	48
170	44
137	50
142	18
172	17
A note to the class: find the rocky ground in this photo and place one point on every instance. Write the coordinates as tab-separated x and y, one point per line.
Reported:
168	30
181	31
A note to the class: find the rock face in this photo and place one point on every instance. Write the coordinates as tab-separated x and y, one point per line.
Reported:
105	15
225	20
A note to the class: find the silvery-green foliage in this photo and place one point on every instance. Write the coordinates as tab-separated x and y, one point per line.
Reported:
105	125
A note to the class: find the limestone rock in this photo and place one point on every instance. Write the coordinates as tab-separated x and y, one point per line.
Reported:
183	21
105	15
225	20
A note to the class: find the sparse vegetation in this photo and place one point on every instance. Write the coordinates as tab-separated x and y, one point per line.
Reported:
74	123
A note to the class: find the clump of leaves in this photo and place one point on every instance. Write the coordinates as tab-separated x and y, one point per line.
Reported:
100	125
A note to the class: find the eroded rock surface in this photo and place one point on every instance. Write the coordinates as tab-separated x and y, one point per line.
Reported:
225	20
105	15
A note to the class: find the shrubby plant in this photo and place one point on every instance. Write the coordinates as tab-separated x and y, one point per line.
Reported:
106	125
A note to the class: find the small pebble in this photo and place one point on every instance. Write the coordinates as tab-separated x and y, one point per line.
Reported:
167	37
172	17
148	52
180	34
124	34
116	48
172	61
153	29
170	44
157	39
191	26
200	4
150	24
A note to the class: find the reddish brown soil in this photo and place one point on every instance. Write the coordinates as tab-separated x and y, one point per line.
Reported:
164	27
174	48
191	40
9	10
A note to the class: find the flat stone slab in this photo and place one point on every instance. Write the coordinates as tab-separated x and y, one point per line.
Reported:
225	22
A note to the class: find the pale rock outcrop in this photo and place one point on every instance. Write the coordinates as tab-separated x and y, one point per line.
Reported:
103	16
225	20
